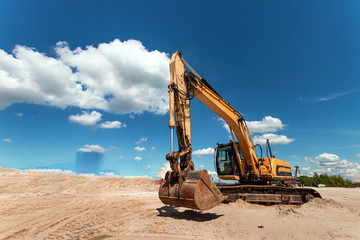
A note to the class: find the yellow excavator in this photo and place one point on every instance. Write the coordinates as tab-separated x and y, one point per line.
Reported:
236	160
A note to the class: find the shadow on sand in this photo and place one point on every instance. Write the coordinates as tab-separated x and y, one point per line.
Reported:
198	216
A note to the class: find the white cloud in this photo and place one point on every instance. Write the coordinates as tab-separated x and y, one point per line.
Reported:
267	124
148	166
86	119
20	115
120	157
336	95
201	166
273	138
306	171
137	158
358	155
163	170
8	140
327	159
92	148
205	151
224	124
144	139
92	119
153	148
113	124
119	77
332	164
139	149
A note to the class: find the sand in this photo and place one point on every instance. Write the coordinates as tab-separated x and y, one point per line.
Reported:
37	205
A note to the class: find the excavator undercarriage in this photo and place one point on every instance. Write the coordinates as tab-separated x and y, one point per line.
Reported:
267	194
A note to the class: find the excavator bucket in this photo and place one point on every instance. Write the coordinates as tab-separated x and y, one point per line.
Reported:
194	190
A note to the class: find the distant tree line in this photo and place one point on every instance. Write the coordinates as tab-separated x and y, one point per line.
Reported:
329	181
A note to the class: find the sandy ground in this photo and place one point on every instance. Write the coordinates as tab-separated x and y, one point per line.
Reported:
35	205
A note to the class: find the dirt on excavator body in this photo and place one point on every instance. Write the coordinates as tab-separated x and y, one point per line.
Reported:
193	189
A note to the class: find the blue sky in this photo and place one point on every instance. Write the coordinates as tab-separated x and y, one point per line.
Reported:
87	81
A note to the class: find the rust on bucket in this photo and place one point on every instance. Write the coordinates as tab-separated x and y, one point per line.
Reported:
193	189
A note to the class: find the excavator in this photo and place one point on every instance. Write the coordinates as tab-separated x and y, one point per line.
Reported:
237	160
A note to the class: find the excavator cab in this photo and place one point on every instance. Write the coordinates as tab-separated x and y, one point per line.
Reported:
225	161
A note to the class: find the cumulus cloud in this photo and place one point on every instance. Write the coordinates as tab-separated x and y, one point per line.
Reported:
332	164
8	140
139	149
112	124
138	158
267	124
306	171
86	119
144	139
273	138
118	77
205	151
92	148
163	170
92	119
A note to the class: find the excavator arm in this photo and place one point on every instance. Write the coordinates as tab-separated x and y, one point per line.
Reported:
183	85
183	186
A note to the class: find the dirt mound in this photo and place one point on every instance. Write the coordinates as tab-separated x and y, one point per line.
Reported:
44	205
321	203
5	169
31	182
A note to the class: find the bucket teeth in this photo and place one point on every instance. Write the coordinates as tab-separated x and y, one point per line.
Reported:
195	191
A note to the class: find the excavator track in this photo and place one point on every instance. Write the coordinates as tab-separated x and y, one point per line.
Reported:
267	194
